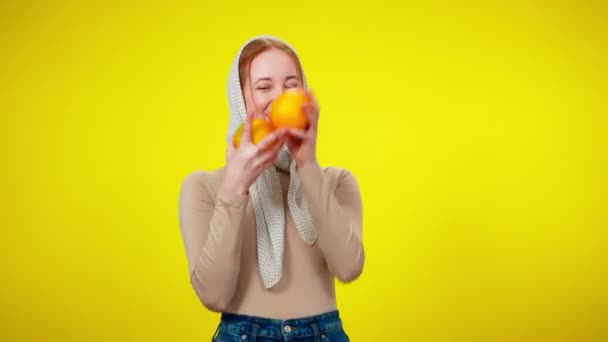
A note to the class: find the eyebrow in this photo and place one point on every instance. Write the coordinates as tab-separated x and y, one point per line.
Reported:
270	79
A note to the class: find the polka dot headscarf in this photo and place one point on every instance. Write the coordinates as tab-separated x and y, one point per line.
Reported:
266	194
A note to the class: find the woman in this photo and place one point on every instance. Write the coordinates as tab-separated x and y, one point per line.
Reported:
266	235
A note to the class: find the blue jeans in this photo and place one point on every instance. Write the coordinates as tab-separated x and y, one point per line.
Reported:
326	327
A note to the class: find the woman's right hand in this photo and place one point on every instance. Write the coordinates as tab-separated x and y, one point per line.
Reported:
245	163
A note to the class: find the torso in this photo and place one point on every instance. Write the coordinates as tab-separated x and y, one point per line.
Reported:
306	288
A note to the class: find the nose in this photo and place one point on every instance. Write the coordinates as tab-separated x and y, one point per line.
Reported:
276	92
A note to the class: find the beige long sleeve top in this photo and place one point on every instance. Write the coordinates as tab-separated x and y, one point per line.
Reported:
219	233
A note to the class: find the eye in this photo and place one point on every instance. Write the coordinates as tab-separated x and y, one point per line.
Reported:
292	85
263	88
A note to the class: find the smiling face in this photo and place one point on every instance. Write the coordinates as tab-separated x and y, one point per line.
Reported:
271	72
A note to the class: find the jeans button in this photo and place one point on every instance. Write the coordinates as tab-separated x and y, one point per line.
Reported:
287	329
244	337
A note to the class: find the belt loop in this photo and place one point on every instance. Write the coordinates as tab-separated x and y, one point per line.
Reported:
315	329
254	331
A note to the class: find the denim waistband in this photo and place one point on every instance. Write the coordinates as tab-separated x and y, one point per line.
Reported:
324	323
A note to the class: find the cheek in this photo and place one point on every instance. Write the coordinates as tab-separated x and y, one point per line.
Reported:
261	100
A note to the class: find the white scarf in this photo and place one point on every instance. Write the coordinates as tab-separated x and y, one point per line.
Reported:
266	193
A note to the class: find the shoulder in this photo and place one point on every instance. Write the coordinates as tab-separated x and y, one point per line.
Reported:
343	178
338	173
201	181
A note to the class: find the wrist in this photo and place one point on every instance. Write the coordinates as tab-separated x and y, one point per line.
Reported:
234	188
306	164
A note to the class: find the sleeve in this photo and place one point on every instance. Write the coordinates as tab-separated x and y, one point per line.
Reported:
212	236
337	213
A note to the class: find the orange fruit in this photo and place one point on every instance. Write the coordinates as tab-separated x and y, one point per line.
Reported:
260	128
286	110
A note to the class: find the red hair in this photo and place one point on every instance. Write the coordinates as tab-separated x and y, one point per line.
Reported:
256	47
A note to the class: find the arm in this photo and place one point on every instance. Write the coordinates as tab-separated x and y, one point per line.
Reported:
212	238
337	213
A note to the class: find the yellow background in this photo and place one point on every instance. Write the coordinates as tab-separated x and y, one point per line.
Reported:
477	131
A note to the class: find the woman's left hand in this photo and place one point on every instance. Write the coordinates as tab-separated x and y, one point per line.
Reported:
303	143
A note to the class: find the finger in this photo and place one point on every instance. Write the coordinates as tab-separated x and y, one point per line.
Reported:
311	97
271	138
295	137
312	114
269	156
270	151
246	138
265	165
313	102
293	144
296	133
